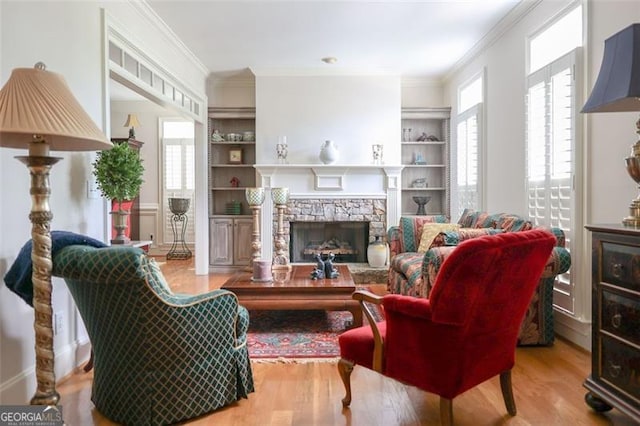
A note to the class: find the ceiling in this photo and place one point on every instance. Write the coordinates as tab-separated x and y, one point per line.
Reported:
423	38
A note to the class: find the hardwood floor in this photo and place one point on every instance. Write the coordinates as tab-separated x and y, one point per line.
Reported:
547	386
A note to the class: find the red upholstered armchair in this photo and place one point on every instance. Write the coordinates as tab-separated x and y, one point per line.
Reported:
466	332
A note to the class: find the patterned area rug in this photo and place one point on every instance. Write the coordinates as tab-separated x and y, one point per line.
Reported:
295	336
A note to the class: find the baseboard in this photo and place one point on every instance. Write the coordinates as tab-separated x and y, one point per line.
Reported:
573	329
19	389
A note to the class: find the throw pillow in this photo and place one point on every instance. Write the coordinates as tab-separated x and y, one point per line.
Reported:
431	231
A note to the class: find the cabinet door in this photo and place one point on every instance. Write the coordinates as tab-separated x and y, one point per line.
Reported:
221	241
243	228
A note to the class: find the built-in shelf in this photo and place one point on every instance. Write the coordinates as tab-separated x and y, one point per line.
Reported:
425	123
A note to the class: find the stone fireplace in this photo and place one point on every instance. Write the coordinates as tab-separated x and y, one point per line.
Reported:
353	203
341	226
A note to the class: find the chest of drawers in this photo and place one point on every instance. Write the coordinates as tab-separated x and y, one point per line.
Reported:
615	292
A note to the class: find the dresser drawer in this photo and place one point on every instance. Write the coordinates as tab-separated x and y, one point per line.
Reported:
621	316
621	265
620	366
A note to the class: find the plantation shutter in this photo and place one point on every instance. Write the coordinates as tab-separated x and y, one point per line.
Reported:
551	128
179	182
468	188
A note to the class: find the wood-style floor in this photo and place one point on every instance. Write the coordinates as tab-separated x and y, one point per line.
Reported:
547	385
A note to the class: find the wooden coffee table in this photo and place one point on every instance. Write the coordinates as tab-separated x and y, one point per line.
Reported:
297	291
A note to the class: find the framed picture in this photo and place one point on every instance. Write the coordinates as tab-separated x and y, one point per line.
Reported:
235	156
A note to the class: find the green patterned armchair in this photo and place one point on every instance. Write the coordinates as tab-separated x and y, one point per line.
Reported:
159	357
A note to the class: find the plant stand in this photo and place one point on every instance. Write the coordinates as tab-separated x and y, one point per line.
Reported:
179	221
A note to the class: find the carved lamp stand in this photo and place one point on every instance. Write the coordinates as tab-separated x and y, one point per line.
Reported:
38	111
255	198
280	199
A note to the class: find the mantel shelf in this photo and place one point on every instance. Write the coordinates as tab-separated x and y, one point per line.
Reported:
330	166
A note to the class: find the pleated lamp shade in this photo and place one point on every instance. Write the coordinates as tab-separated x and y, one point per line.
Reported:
38	102
132	121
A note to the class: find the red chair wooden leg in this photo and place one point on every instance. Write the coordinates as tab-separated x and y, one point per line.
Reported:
345	368
507	392
446	412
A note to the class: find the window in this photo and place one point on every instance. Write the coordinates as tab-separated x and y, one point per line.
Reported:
551	136
178	172
468	184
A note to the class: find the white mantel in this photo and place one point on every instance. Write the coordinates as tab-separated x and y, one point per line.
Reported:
312	181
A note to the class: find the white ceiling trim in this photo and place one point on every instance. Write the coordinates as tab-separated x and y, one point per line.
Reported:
514	16
148	13
304	72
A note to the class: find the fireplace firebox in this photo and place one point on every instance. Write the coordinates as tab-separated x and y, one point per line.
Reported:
346	240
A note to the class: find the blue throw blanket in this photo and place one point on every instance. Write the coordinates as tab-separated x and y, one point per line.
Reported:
18	278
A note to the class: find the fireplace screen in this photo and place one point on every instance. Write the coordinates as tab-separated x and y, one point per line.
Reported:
347	240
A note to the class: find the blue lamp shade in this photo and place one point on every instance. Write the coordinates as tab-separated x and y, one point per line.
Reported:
617	88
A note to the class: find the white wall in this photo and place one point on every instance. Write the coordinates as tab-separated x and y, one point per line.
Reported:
353	111
67	36
608	190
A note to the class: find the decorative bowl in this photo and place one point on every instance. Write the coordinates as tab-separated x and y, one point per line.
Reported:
179	205
421	199
233	137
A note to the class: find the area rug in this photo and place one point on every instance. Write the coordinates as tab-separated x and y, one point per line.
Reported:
296	336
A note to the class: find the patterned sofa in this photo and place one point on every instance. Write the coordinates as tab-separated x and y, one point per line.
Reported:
412	272
159	357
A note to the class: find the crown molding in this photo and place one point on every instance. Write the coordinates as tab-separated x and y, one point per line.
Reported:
321	72
514	16
417	81
145	10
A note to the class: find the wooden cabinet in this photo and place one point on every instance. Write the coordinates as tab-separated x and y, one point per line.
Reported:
425	157
230	241
231	159
615	365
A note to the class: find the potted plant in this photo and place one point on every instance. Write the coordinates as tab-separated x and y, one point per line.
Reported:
118	173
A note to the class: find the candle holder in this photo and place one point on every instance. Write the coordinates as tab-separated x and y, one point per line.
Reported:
255	198
376	150
281	259
282	149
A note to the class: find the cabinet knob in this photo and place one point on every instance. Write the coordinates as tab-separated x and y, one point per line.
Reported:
616	320
616	270
614	369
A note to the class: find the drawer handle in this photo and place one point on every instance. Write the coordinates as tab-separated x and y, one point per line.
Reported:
614	370
616	270
616	320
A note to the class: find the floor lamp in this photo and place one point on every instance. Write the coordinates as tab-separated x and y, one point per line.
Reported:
280	199
255	198
39	112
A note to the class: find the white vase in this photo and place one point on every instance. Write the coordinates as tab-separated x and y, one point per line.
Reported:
377	254
329	152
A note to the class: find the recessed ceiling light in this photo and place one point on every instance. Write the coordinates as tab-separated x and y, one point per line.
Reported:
329	60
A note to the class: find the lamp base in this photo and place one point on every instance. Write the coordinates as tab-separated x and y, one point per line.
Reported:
633	220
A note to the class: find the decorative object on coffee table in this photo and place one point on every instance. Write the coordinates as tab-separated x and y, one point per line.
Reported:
280	198
318	273
179	207
255	198
421	201
39	112
261	270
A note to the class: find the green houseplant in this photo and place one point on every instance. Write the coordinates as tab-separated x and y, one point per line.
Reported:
118	173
